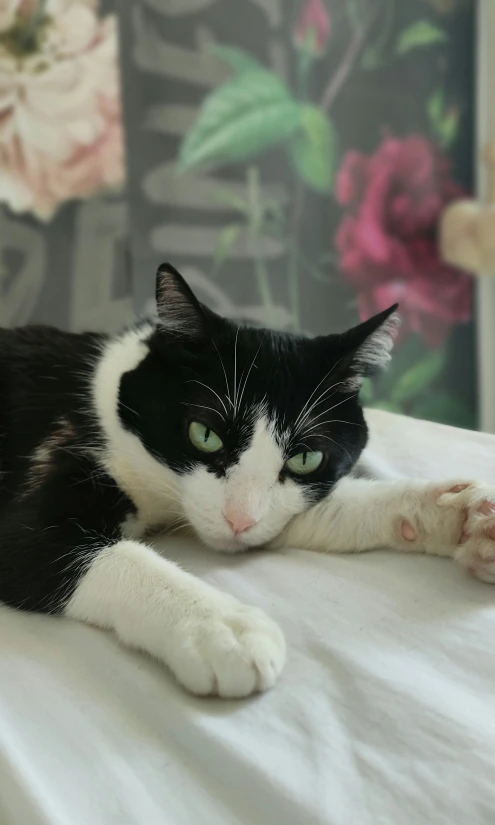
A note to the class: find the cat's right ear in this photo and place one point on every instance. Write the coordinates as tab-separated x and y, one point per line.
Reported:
178	308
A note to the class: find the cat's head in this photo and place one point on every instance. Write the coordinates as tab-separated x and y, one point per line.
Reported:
256	425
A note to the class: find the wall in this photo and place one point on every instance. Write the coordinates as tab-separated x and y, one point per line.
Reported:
291	158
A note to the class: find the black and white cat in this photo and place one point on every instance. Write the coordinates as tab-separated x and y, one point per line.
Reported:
245	435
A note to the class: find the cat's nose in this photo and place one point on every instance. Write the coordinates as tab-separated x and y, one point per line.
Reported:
239	522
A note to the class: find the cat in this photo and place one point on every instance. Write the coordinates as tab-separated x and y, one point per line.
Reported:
248	437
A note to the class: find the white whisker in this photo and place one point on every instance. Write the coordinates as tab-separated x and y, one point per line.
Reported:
250	368
319	400
235	372
316	390
224	373
329	421
202	407
195	381
320	435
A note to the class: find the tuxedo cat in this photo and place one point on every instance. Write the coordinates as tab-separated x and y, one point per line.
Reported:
247	436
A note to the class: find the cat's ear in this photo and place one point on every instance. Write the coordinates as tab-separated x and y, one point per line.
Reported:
366	348
178	308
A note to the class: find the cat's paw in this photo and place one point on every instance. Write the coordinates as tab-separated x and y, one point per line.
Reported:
476	549
229	650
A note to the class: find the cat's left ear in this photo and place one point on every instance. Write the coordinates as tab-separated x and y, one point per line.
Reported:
366	348
178	308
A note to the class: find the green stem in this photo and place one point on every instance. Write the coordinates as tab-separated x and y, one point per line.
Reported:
303	68
295	225
256	220
263	282
294	287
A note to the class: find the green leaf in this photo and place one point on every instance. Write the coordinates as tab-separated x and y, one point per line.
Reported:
418	377
313	149
445	409
240	119
237	59
444	119
420	34
226	240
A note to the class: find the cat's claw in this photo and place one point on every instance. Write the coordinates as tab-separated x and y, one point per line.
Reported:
231	650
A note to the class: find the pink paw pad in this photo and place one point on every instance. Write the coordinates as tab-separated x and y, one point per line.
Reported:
407	530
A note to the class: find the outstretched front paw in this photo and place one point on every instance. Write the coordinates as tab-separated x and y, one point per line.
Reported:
227	649
455	519
476	549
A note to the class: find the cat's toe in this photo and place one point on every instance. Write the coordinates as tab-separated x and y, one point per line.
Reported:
476	551
233	653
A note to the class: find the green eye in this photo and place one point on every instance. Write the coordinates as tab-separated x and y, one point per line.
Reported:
204	439
304	463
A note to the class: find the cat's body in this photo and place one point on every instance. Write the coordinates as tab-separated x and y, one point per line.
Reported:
246	436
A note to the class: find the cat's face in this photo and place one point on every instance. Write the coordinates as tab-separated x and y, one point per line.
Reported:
256	425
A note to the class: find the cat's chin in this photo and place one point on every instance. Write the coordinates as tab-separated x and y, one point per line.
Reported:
228	544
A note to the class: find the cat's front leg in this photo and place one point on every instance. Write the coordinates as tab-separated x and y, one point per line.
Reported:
454	518
213	644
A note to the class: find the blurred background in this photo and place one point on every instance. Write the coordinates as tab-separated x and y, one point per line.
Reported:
291	157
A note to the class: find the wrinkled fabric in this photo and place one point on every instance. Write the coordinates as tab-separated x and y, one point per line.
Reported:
383	716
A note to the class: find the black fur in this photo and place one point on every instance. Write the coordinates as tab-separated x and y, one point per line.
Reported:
56	515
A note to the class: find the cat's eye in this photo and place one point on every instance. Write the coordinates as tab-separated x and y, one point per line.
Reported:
204	439
304	463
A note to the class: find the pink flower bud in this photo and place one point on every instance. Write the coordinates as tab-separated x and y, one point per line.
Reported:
312	29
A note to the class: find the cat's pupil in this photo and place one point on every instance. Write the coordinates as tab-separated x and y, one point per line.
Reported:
207	435
305	455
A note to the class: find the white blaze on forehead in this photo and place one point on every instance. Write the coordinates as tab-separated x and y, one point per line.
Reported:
256	472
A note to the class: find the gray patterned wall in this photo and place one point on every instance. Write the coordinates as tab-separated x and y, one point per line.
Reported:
246	123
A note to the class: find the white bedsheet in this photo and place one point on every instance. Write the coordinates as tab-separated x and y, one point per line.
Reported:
385	714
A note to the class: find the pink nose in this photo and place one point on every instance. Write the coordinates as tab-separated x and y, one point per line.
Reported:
239	521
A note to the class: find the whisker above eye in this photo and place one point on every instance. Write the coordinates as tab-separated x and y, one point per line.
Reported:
250	368
316	390
323	396
224	373
202	407
327	437
195	381
235	372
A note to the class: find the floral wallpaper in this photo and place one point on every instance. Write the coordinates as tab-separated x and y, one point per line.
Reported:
62	166
291	156
60	128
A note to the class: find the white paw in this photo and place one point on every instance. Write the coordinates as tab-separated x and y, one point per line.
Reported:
455	519
228	649
476	549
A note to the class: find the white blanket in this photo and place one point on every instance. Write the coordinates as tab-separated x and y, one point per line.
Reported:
385	714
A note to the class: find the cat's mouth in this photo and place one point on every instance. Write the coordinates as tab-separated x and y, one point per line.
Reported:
231	543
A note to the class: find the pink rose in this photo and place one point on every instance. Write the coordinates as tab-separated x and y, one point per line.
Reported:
312	29
60	114
387	240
